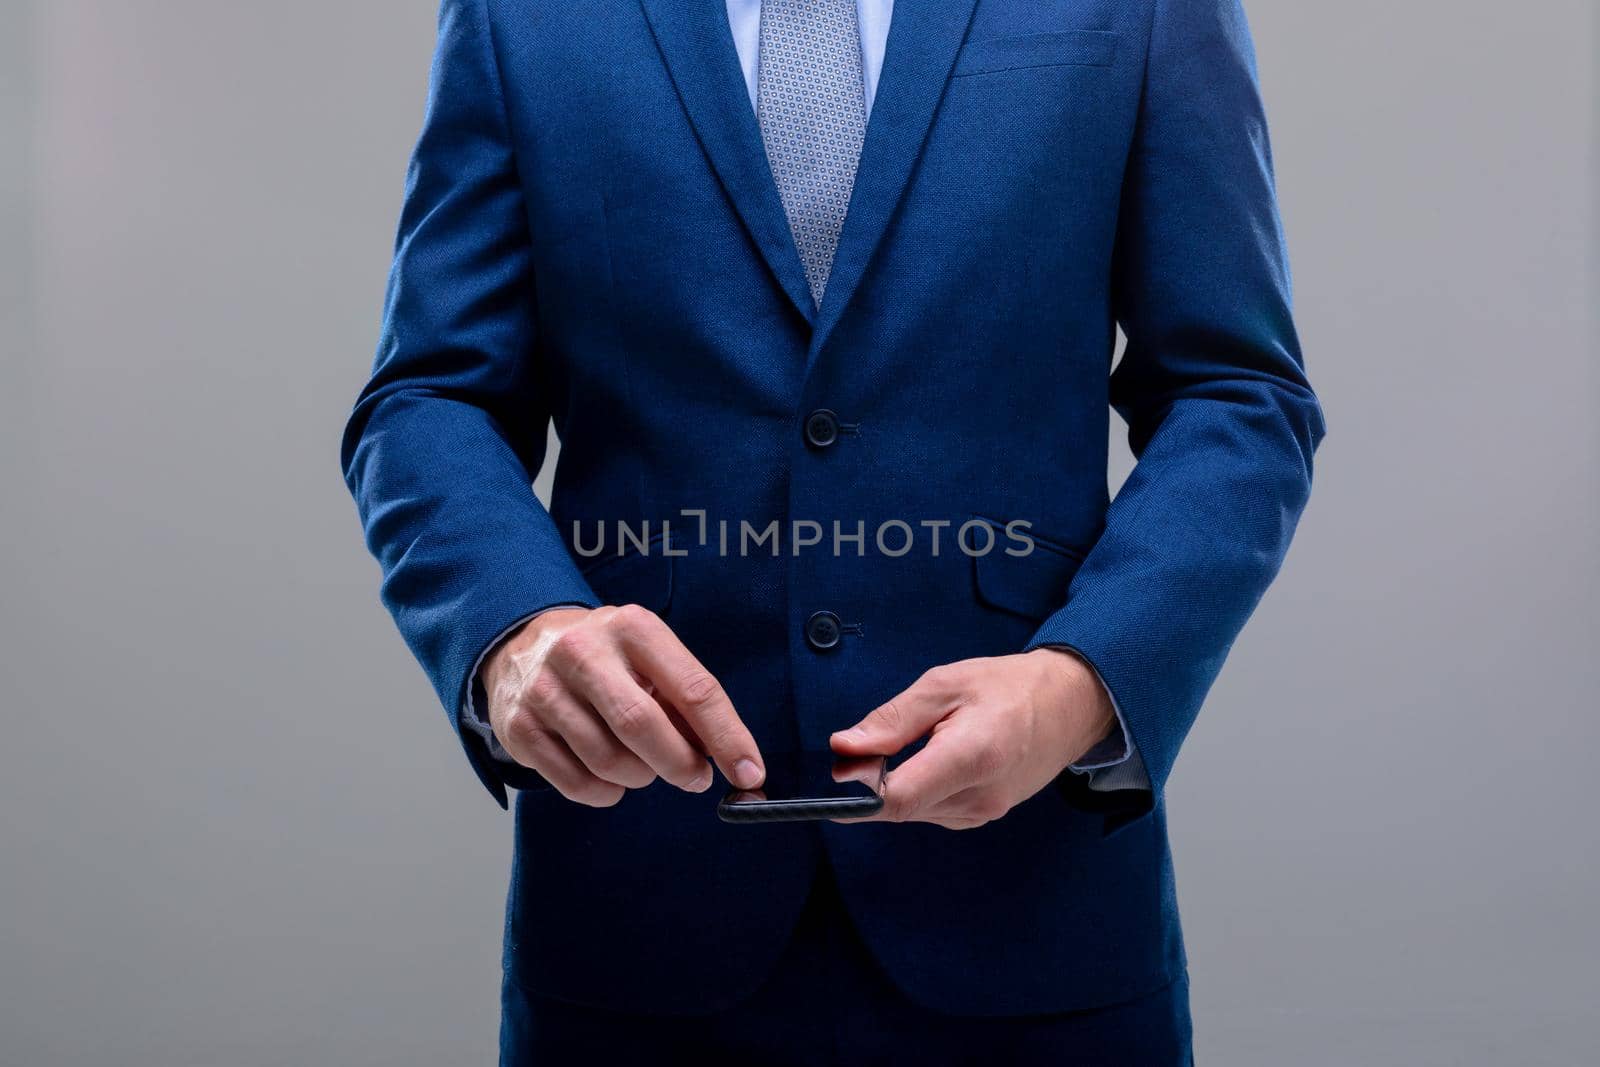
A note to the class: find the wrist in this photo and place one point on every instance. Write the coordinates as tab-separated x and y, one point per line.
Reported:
1065	668
1078	694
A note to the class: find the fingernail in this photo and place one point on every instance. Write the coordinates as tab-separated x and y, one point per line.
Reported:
746	775
702	783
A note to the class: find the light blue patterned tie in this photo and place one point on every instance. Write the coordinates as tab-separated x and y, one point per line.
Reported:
813	115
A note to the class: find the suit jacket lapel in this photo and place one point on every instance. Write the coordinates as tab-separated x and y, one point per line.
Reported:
695	41
923	41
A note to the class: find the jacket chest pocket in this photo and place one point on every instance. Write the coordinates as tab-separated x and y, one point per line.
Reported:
1062	48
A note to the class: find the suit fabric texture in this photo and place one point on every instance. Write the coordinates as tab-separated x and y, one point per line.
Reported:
591	235
828	1004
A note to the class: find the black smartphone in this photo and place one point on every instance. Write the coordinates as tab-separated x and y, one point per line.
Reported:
806	786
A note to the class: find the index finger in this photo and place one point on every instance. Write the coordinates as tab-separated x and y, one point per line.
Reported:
655	652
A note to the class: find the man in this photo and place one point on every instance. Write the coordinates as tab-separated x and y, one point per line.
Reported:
796	279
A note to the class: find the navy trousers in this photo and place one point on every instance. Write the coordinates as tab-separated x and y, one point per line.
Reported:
828	1003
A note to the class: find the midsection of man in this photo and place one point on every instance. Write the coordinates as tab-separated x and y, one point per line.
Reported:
593	235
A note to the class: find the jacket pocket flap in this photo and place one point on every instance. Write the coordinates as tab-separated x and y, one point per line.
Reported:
1032	585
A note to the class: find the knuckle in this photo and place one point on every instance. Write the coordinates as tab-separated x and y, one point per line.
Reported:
622	768
634	774
891	716
690	773
605	795
610	765
724	737
632	617
542	693
632	718
698	687
595	794
724	733
525	734
572	648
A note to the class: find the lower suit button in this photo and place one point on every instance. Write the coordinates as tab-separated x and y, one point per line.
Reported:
823	631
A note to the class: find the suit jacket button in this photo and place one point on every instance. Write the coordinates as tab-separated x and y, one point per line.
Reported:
823	631
822	428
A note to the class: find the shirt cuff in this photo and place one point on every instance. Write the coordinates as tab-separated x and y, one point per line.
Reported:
1114	763
475	710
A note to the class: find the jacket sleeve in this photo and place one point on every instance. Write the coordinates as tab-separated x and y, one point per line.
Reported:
1212	386
445	439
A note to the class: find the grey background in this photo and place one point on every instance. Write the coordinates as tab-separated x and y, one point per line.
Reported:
233	826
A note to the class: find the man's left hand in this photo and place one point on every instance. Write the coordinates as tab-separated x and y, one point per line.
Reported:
1001	729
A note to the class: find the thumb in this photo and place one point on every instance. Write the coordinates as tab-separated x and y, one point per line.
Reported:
892	726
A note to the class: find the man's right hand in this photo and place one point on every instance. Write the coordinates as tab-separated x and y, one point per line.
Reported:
603	700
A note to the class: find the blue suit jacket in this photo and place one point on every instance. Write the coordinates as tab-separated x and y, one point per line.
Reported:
591	234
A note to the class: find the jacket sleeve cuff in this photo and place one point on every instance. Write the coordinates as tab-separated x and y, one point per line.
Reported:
1114	763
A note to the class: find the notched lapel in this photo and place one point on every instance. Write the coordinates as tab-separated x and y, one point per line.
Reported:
697	45
923	41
